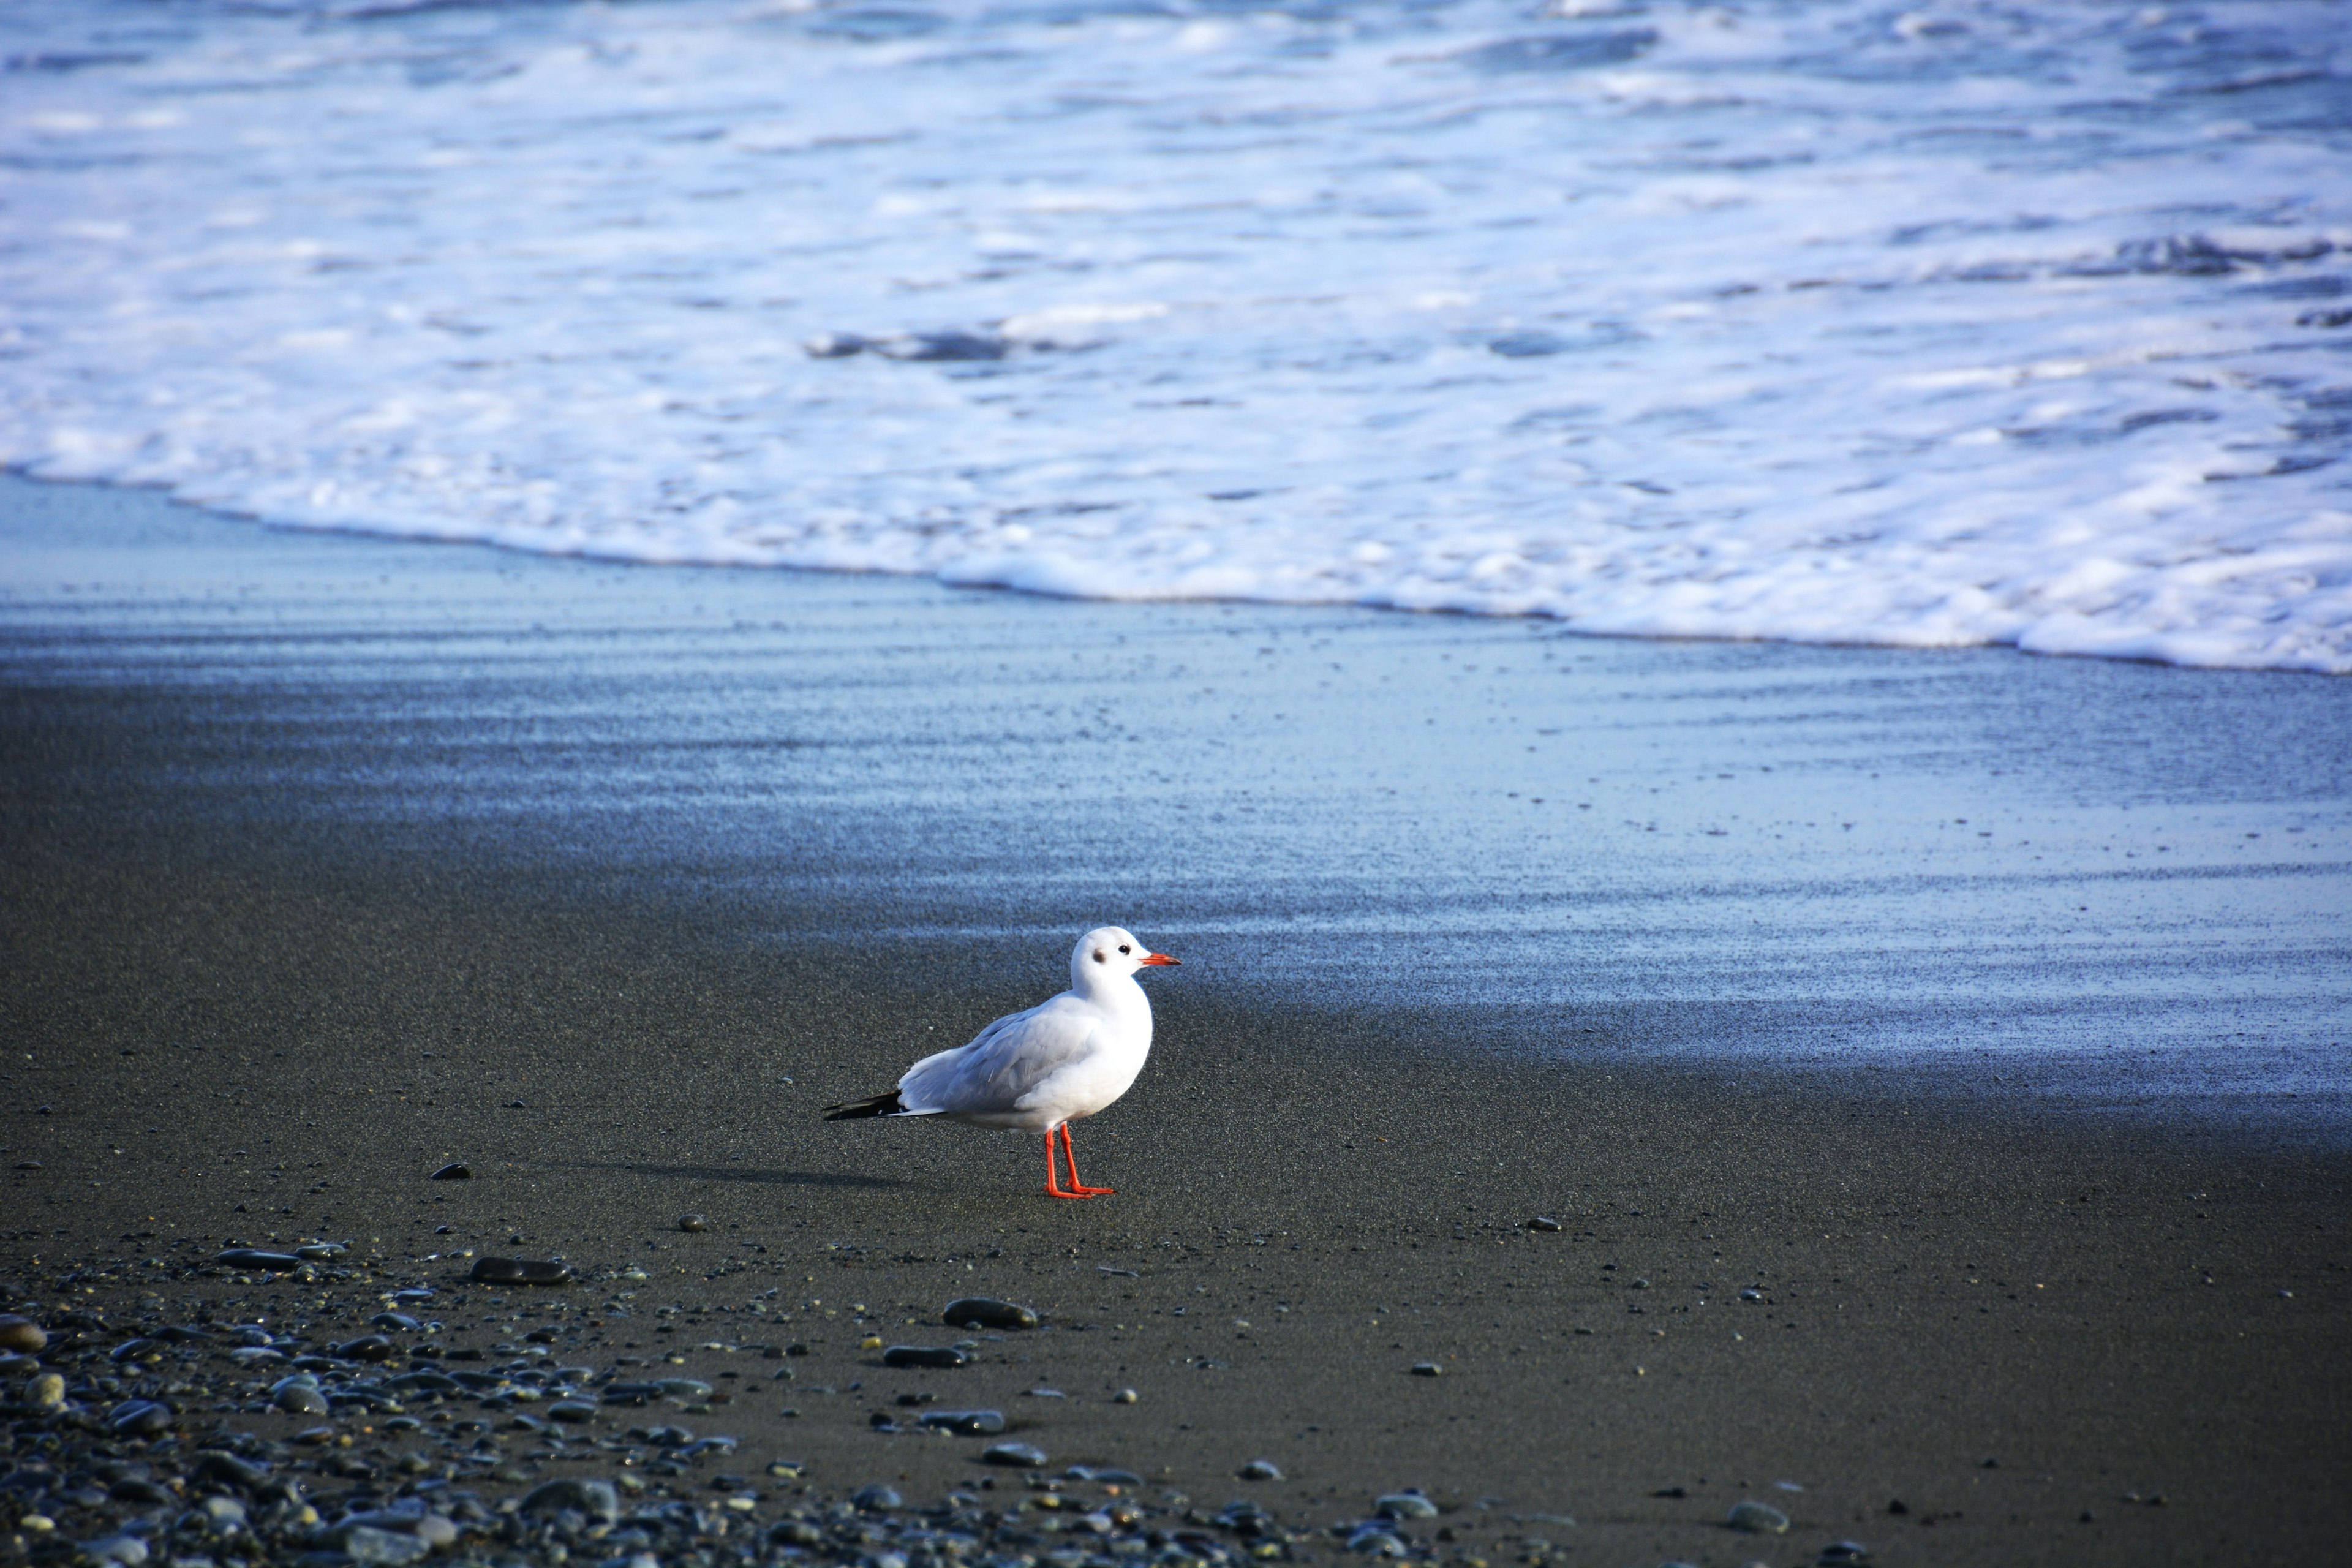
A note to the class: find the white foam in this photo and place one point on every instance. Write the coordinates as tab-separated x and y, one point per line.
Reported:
1837	323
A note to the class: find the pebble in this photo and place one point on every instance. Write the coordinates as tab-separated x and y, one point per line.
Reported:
1426	1369
369	1347
572	1412
128	1549
924	1355
1020	1454
518	1271
1759	1518
580	1494
298	1399
1543	1222
1843	1554
1125	1396
964	1423
692	1222
21	1334
1405	1505
248	1258
1260	1470
451	1173
987	1312
399	1323
875	1499
46	1392
139	1418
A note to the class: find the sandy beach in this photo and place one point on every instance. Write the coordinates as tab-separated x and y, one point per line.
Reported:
355	858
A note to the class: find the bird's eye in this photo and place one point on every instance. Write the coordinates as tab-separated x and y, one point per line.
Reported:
1124	948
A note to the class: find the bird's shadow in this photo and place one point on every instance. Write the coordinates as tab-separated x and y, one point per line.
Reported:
738	1174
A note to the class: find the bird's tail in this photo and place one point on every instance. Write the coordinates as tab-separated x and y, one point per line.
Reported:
878	1105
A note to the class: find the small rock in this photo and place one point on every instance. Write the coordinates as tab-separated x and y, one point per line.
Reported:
1125	1396
21	1334
127	1550
398	1322
370	1347
1751	1294
457	1173
1843	1554
139	1418
692	1222
964	1423
224	1513
1260	1470
298	1399
1896	1508
1757	1519
1019	1455
571	1412
217	1469
519	1271
987	1312
594	1499
28	1164
248	1258
321	1251
1426	1369
1378	1542
1405	1505
875	1499
383	1548
46	1392
1543	1222
924	1355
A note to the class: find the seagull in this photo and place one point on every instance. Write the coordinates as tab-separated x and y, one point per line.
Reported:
1040	1070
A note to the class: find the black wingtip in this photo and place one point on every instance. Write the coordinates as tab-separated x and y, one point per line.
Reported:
878	1105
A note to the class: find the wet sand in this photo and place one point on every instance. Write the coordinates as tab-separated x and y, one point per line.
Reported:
286	930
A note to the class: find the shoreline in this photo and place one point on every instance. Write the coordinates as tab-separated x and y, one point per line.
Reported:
289	926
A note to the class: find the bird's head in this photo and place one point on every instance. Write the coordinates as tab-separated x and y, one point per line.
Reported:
1111	951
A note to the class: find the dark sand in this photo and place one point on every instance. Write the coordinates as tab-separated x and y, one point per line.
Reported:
257	987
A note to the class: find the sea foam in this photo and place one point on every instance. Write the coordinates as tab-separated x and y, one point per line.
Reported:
1937	324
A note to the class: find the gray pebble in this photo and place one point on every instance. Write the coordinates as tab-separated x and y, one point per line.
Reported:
692	1222
875	1499
964	1423
580	1494
1405	1505
923	1355
1426	1369
1260	1470
1020	1454
987	1312
1759	1518
451	1173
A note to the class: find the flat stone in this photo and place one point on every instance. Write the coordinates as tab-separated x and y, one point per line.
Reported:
21	1334
580	1494
217	1469
248	1258
693	1222
369	1347
1759	1518
139	1418
1543	1222
987	1312
398	1322
451	1173
875	1499
964	1423
1843	1554
1405	1505
298	1399
1426	1369
518	1271
571	1410
321	1251
924	1355
1260	1470
1021	1456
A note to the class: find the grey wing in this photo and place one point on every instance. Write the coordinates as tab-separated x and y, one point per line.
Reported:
1004	1062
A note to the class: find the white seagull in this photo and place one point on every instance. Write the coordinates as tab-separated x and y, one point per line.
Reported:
1040	1070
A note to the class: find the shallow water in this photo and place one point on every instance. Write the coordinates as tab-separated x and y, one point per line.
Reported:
1934	324
2086	877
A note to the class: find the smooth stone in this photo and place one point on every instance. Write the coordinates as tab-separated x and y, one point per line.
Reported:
1021	1456
139	1418
1543	1222
21	1334
1260	1470
1405	1505
321	1251
786	1470
301	1401
1759	1518
399	1323
217	1469
46	1392
987	1312
127	1550
432	1383
1426	1369
134	1491
923	1355
222	1511
248	1258
684	1387
580	1494
451	1173
875	1499
518	1271
1751	1294
1843	1554
692	1222
571	1412
255	1355
383	1548
964	1423
370	1347
1378	1542
1125	1396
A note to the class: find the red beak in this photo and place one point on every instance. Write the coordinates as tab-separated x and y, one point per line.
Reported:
1157	958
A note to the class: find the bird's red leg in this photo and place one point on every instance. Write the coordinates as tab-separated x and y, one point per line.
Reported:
1076	1185
1054	1175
